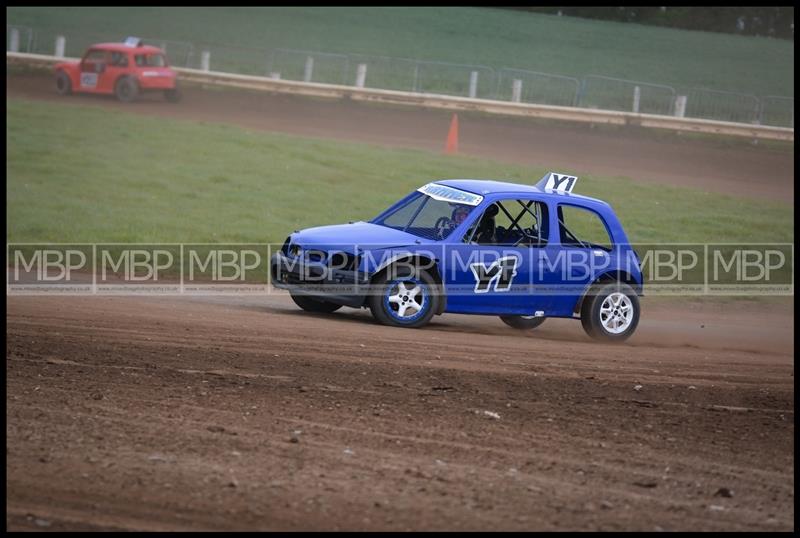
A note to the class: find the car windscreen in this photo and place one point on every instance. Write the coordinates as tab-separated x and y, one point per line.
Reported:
425	216
150	60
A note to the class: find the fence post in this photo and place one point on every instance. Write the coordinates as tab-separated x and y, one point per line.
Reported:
309	69
189	56
361	75
473	84
758	116
14	45
581	92
637	96
416	78
205	60
680	106
516	90
61	44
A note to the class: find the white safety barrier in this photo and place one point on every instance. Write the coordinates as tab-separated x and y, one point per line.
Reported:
454	103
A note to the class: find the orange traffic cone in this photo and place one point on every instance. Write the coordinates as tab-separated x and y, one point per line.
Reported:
452	136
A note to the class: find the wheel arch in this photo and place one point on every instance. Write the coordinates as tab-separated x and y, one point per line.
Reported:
70	73
419	260
608	276
126	75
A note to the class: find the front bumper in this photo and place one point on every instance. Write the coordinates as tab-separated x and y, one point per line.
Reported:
338	286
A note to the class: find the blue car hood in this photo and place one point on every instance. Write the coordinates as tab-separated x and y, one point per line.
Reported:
346	236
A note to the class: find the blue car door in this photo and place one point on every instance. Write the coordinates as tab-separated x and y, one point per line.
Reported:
582	249
492	268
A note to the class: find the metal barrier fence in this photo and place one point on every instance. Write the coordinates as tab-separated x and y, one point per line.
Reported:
19	38
778	111
179	53
720	105
384	72
461	80
626	95
443	78
310	66
522	86
246	61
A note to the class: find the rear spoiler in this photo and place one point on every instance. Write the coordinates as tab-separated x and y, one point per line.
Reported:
555	182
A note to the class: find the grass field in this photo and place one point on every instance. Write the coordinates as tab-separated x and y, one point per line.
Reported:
496	38
86	175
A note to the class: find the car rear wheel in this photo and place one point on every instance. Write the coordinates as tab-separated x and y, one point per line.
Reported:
312	304
63	83
610	312
126	89
173	96
405	298
523	322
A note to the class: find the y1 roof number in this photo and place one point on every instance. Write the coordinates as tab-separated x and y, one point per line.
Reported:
561	183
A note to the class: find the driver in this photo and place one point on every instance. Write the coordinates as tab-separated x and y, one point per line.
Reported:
485	234
460	213
445	225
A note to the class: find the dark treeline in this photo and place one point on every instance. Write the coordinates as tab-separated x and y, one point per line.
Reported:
757	21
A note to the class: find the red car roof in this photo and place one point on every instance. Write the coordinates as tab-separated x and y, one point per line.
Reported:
122	47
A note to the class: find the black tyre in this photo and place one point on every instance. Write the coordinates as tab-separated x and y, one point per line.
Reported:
312	304
126	89
63	83
173	96
610	312
523	322
404	298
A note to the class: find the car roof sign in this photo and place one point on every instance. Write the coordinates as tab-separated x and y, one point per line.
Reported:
450	194
555	182
133	41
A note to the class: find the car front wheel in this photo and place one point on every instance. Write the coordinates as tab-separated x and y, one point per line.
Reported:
126	89
408	298
610	312
63	83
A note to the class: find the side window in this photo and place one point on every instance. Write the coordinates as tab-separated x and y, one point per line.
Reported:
150	60
95	56
94	61
157	60
119	59
510	223
582	227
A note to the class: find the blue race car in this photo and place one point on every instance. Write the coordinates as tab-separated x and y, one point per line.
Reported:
523	253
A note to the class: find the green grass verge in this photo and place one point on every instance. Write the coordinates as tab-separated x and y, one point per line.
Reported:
81	174
496	38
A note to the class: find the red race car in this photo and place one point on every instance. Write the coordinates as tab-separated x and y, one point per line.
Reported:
123	69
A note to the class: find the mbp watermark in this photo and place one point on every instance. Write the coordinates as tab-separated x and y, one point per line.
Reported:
486	272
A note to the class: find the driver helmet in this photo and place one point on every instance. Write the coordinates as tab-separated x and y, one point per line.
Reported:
460	213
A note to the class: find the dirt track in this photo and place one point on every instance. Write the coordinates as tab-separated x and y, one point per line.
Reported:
179	413
633	153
